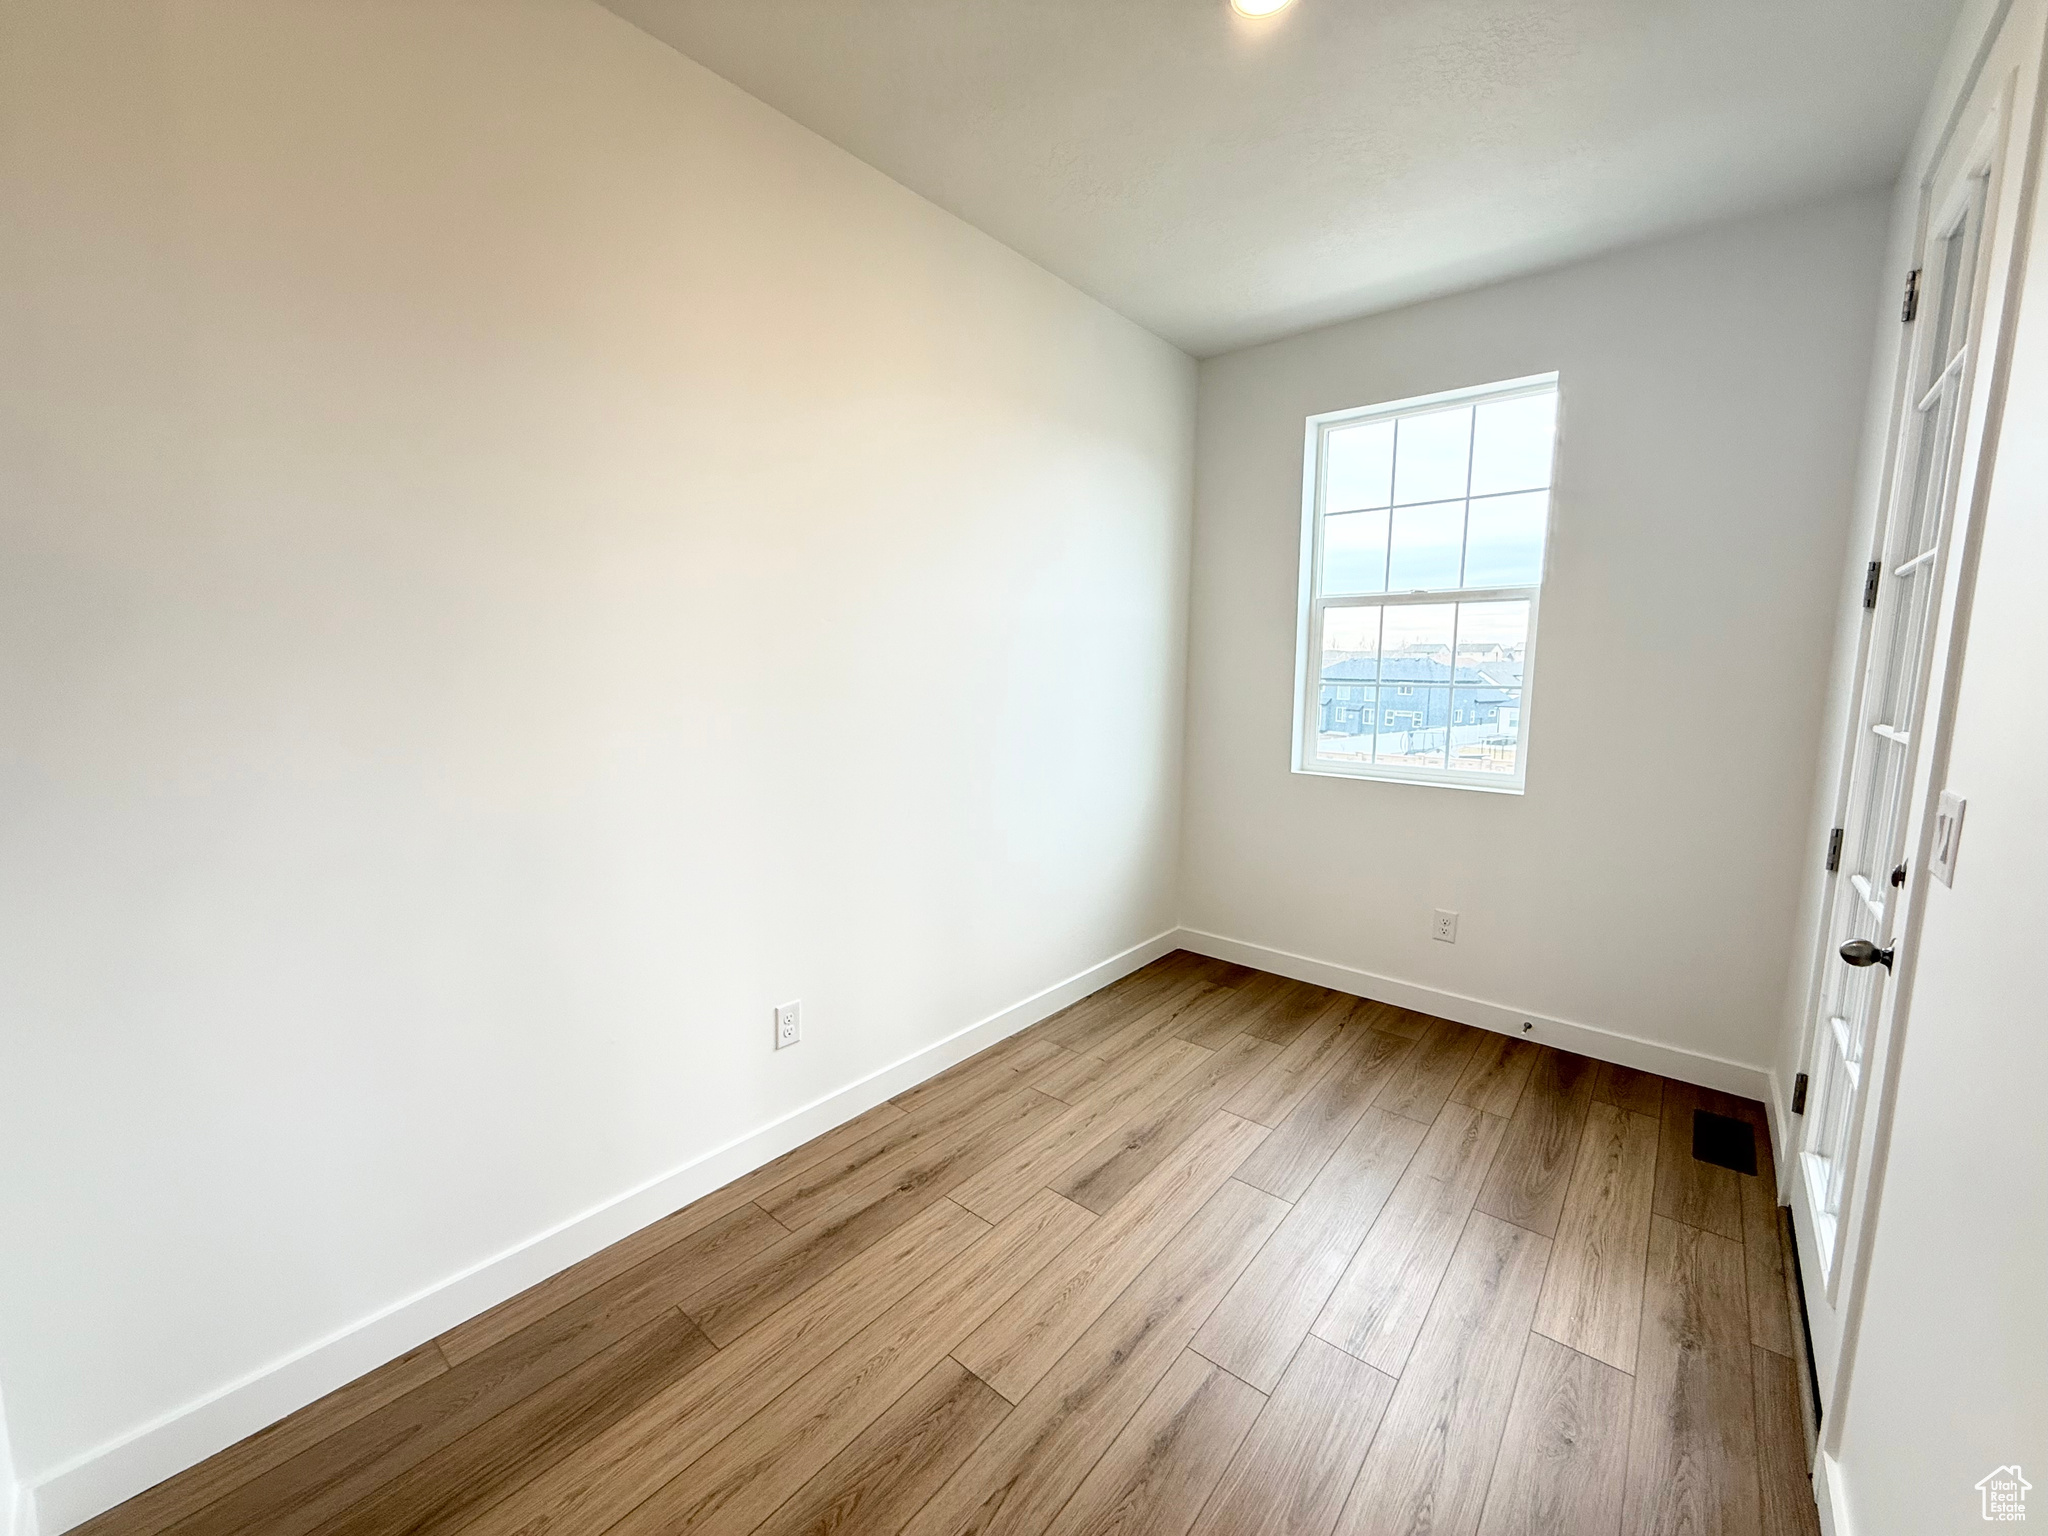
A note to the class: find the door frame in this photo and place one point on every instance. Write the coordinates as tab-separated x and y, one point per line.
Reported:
2013	47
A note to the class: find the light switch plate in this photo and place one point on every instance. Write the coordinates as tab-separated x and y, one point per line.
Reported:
1948	835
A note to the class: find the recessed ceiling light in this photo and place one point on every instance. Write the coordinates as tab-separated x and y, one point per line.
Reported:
1259	7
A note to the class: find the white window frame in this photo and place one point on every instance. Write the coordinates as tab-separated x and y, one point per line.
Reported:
1313	604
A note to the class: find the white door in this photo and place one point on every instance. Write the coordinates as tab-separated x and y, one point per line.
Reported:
1948	393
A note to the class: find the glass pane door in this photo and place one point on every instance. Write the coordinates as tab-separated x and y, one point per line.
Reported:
1874	832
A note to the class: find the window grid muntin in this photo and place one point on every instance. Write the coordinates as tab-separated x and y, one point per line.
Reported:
1457	600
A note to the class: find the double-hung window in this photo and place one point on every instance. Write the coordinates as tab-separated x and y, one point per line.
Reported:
1424	525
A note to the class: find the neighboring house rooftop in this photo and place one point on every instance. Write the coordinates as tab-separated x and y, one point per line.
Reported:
1417	669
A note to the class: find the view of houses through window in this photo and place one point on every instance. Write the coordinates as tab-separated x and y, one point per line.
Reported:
1425	545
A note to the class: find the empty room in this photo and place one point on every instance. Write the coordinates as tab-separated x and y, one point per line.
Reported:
920	767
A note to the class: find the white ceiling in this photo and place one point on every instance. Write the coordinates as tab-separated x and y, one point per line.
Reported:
1224	182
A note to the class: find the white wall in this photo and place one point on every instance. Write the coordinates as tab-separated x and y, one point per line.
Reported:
1647	882
514	558
1952	1317
1953	1314
1975	19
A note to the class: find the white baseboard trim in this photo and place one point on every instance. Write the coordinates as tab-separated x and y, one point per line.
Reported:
17	1509
17	1514
1827	1496
104	1477
1601	1044
1780	1109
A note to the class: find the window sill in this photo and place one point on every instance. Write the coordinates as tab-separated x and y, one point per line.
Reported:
1423	777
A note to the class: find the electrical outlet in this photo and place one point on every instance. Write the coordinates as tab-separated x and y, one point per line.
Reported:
1446	929
789	1026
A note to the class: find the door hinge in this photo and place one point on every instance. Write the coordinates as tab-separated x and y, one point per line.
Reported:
1799	1094
1870	583
1911	306
1834	850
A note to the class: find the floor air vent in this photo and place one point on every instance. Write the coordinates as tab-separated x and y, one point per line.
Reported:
1723	1142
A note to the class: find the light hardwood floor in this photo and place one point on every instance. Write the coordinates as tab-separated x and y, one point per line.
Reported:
1210	1251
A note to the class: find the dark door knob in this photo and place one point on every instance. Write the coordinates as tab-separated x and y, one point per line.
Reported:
1863	952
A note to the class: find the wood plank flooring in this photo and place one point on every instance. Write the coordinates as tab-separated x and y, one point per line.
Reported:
1210	1251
